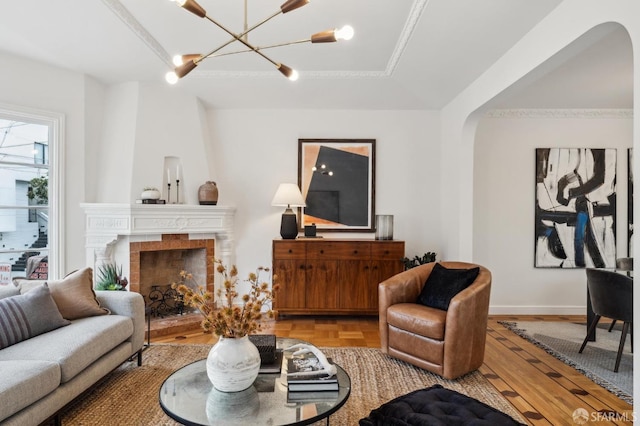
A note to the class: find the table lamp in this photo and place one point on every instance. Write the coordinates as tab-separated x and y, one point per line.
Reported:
288	194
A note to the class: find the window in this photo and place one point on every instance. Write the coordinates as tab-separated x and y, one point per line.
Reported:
30	194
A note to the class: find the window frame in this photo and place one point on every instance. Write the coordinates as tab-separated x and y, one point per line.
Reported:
56	123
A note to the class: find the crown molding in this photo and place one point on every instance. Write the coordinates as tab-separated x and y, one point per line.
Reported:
622	113
417	8
136	27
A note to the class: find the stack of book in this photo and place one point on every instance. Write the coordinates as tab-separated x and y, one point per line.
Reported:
308	383
147	201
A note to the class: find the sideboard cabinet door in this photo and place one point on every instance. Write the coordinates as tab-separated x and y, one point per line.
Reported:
333	276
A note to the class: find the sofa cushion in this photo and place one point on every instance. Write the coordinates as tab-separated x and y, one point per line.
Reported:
74	294
8	291
436	406
24	382
443	284
28	315
74	347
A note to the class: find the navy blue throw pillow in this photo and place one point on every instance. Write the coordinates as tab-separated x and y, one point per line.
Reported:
442	284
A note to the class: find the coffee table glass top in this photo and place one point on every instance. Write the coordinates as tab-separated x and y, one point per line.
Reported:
188	397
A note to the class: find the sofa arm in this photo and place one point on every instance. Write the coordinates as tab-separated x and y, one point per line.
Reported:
128	304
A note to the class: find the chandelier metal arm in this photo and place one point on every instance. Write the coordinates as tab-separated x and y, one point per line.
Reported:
238	37
256	48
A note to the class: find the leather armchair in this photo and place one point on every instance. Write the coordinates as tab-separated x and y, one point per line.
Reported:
449	343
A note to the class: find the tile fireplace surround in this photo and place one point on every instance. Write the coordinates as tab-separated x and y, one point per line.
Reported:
120	233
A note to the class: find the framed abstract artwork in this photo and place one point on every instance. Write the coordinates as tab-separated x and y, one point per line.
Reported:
337	180
575	208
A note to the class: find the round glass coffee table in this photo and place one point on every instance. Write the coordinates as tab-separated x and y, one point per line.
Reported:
188	397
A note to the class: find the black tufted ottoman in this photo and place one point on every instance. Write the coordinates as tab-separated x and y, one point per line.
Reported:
436	406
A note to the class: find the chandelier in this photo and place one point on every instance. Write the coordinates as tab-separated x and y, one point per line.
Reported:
186	63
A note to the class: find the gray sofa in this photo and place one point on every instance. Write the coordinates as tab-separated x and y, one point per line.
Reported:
42	374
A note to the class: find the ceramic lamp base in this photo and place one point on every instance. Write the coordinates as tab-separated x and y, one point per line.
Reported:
289	225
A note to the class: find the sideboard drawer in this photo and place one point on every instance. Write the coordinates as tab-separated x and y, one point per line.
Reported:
342	250
289	250
387	250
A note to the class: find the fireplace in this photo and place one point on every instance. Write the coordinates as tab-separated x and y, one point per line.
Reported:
155	265
153	243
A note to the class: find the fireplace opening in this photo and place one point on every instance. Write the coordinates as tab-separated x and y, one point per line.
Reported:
160	269
155	265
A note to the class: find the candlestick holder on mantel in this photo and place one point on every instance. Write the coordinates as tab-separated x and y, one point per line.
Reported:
172	177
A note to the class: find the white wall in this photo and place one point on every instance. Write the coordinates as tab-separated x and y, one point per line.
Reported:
143	124
256	150
25	83
564	25
503	204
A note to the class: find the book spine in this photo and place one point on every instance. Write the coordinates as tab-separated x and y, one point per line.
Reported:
151	202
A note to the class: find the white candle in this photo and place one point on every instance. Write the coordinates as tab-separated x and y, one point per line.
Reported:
178	172
168	176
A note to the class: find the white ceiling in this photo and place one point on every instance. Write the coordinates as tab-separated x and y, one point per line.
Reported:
406	54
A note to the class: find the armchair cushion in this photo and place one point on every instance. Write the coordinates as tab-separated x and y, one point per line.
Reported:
443	283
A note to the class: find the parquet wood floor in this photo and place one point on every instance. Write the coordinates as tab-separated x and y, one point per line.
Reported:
543	389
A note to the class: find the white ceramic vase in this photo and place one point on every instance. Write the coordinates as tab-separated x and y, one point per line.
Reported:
233	364
150	194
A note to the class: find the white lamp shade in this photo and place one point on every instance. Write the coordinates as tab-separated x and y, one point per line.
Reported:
288	194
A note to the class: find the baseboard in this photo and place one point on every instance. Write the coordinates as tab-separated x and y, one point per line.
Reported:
537	310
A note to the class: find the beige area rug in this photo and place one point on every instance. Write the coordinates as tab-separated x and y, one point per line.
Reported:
129	395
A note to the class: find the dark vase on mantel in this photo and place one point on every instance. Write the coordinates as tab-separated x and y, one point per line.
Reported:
208	194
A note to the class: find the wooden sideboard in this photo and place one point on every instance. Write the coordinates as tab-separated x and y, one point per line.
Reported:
333	276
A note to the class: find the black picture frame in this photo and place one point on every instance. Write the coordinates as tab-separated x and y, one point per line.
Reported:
337	180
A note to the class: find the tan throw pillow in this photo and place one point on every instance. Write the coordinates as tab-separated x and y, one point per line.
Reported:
75	297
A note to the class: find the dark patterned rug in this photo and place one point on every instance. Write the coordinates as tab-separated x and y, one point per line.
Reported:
563	340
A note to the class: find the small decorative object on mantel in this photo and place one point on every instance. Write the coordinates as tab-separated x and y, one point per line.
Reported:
208	193
150	193
149	201
234	362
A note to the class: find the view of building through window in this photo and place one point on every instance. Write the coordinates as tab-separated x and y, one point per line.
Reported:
24	200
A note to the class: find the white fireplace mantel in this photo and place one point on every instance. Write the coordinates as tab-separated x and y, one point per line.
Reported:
106	223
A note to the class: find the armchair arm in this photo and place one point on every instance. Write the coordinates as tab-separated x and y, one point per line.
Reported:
466	326
401	288
128	304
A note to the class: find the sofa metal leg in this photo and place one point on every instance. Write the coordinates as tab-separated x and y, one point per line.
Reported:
140	358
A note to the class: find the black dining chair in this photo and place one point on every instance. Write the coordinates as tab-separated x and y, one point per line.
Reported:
611	295
624	264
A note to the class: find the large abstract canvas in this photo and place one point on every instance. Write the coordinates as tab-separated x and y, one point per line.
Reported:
575	208
337	180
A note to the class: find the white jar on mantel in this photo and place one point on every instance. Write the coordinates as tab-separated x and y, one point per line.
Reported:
150	194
